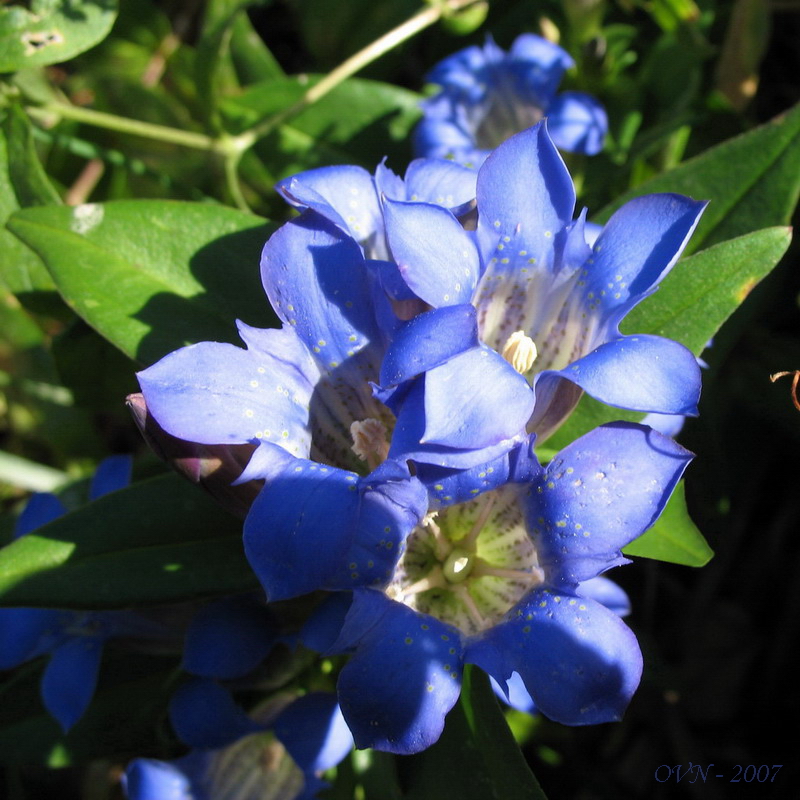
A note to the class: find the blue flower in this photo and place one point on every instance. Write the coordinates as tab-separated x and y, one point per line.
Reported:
488	95
511	289
525	285
310	730
73	640
500	577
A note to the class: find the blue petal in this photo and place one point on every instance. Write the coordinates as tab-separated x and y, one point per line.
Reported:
392	505
577	123
324	624
637	247
343	194
514	693
540	62
26	633
440	181
474	400
228	639
70	678
42	508
403	677
317	527
150	779
317	281
205	715
428	340
597	495
641	373
313	731
525	193
112	473
605	591
300	528
580	663
436	256
216	393
668	424
410	427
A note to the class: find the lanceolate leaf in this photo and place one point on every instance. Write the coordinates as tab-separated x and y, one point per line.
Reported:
157	541
153	275
691	305
752	181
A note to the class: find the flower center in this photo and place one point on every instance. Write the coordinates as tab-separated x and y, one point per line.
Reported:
470	563
507	113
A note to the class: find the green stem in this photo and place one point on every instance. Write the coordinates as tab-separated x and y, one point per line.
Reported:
100	119
421	20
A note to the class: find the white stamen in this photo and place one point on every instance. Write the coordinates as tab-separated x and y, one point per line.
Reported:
369	441
520	351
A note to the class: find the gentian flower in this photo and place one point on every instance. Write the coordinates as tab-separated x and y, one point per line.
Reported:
282	757
73	640
494	578
524	285
488	95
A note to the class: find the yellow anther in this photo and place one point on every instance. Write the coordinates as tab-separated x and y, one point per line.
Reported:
520	351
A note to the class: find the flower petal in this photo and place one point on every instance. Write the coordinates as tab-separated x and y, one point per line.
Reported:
343	194
314	732
410	427
40	509
605	591
150	779
112	473
316	527
205	715
474	400
300	528
540	63
637	248
577	123
228	638
28	632
428	340
436	256
317	281
216	393
580	663
641	373
597	495
440	181
404	676
525	193
70	678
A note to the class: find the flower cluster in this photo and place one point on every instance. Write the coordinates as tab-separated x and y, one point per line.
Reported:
431	338
488	94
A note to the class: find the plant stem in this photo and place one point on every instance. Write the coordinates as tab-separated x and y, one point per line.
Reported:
421	20
100	119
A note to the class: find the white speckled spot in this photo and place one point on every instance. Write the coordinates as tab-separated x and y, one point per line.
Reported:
85	217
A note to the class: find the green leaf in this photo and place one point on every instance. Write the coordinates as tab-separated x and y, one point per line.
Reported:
358	122
476	758
692	303
151	275
31	184
703	290
752	181
158	541
21	270
674	537
52	31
